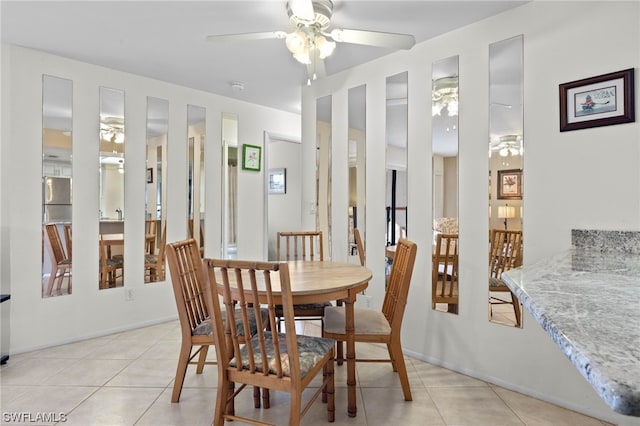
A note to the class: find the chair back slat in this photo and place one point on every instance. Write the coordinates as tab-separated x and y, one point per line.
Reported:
444	273
395	298
505	252
299	245
188	283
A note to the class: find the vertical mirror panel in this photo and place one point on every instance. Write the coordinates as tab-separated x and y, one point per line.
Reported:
506	151
57	197
111	234
357	144
196	178
396	162
230	185
323	170
444	148
155	210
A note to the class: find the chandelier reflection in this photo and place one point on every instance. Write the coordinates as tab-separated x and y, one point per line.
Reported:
445	96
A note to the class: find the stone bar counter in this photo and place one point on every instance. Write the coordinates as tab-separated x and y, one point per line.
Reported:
588	301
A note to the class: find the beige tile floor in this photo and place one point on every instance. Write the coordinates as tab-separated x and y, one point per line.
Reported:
126	379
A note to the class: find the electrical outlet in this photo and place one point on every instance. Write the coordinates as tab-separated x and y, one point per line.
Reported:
128	294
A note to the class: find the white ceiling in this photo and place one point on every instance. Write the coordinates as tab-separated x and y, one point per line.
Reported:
165	40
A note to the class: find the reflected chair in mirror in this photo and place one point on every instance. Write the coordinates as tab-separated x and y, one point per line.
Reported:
154	263
150	231
505	253
190	223
284	362
111	267
384	326
61	265
189	281
68	241
444	272
306	246
359	246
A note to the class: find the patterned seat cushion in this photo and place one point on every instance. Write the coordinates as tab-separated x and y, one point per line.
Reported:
151	258
204	328
307	307
310	351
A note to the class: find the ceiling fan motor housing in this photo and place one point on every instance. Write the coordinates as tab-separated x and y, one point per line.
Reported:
323	9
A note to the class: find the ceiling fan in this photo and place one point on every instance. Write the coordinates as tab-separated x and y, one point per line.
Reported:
112	129
311	40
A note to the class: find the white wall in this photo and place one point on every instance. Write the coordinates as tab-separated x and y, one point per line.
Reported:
600	166
37	322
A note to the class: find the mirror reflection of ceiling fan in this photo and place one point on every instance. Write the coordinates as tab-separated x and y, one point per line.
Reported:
311	41
112	129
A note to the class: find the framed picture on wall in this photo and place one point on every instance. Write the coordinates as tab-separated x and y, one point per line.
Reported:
597	101
510	184
277	181
251	157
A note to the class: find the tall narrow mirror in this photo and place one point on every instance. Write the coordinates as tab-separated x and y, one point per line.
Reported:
230	184
444	148
155	212
196	180
396	162
112	141
57	199
357	145
323	170
505	175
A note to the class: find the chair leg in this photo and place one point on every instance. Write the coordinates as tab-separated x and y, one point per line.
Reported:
398	358
516	309
181	370
52	279
295	408
266	398
339	352
330	390
202	357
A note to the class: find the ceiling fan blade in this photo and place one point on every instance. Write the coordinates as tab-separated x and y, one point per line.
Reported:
247	36
303	9
374	38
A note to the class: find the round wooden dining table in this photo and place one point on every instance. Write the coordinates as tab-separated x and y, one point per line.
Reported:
327	281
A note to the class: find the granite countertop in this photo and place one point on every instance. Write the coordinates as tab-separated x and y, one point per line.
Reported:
588	301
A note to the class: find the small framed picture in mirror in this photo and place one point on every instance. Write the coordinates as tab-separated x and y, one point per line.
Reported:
510	184
277	181
150	175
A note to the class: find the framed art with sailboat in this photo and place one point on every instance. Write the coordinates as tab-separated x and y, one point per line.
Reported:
597	101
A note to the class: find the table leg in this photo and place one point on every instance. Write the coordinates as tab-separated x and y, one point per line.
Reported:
351	354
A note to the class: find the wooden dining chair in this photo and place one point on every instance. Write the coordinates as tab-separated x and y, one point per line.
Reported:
111	267
444	272
154	263
384	326
307	246
284	362
61	265
189	281
505	253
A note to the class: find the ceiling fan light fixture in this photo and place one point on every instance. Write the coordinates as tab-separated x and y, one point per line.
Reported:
324	46
445	95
